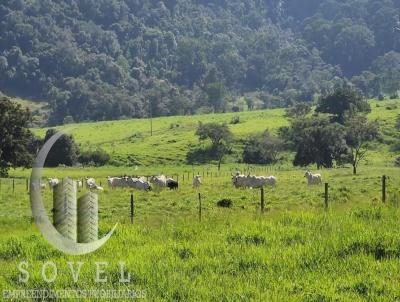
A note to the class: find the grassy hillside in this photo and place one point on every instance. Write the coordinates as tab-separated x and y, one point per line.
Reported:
173	136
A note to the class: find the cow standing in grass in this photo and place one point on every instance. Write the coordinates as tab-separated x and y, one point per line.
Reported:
197	182
313	179
91	184
172	184
242	181
53	182
159	181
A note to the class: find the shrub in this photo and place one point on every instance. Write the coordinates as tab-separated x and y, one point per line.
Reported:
235	120
381	97
263	149
96	158
397	162
174	126
225	203
394	96
391	106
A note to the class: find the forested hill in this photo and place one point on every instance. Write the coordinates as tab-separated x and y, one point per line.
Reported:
109	59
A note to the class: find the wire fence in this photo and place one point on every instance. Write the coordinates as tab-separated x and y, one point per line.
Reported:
14	192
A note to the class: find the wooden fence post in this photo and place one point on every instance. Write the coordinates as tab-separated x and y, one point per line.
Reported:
199	206
384	188
262	200
27	184
132	209
326	195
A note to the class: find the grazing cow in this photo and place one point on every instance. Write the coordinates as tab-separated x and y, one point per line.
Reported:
197	181
139	184
91	184
242	181
53	182
159	181
313	179
114	182
172	184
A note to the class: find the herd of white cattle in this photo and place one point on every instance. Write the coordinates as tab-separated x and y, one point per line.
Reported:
161	181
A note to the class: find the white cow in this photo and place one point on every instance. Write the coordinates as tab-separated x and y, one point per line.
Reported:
139	184
197	181
159	181
242	181
114	182
91	184
53	182
313	179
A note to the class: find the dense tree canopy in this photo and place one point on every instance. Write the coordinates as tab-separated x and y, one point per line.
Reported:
16	140
104	59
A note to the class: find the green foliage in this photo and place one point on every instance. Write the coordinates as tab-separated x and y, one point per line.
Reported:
235	120
220	136
317	140
96	158
359	132
63	152
398	123
217	133
16	140
343	103
262	149
297	111
104	60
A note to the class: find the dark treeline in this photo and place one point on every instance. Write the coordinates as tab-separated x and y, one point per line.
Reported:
110	59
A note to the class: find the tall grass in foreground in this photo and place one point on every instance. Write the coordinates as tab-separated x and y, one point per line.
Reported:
303	256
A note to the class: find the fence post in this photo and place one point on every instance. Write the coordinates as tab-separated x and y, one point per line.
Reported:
13	185
326	195
132	209
262	200
27	184
199	206
384	188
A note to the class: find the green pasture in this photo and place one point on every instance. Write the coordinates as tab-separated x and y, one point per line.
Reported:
295	251
174	136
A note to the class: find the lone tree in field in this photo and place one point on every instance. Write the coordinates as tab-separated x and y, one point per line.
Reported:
359	133
343	103
316	140
63	152
220	136
15	137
